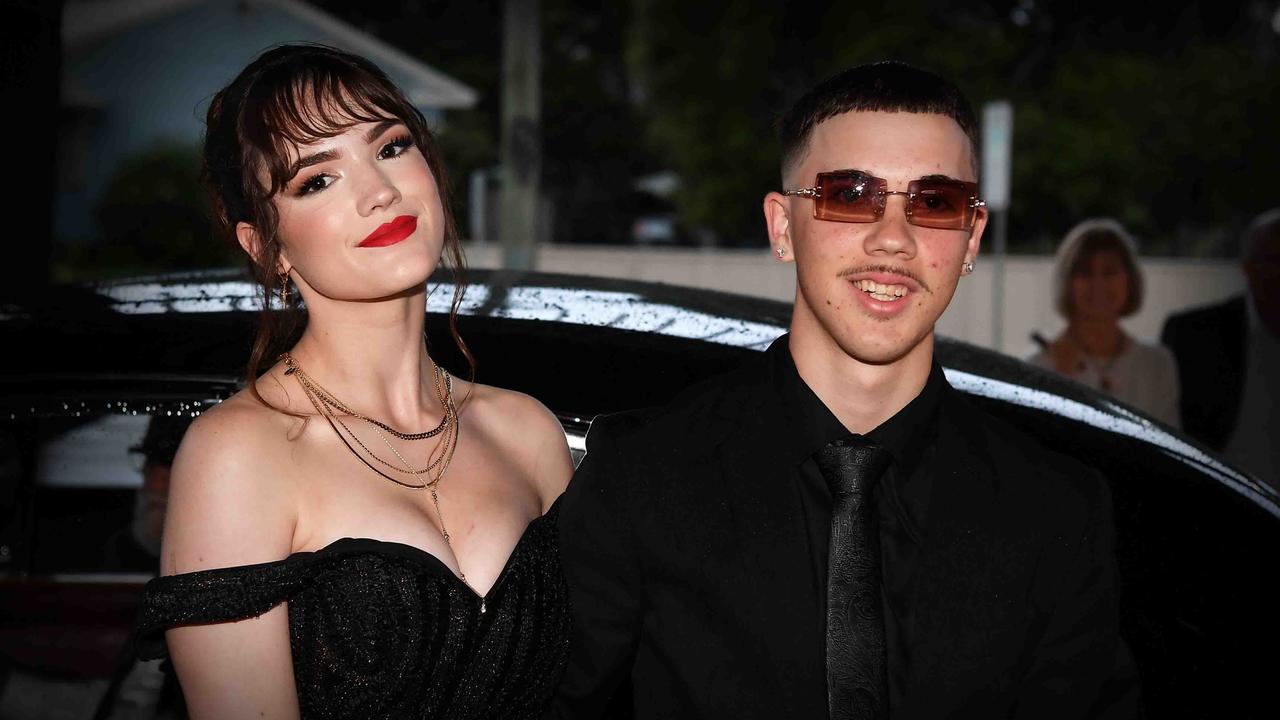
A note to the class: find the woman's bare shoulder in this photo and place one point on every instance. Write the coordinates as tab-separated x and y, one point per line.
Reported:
524	428
503	409
232	500
244	422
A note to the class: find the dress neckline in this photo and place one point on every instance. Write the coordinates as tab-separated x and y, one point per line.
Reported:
405	550
356	545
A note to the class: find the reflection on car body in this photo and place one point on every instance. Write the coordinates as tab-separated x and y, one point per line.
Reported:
1194	533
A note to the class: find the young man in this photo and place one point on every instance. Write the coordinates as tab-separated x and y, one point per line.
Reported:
833	531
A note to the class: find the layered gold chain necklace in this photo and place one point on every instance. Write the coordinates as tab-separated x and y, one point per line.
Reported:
329	407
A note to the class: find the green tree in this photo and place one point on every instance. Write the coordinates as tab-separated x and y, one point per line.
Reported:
590	133
705	75
717	76
153	216
1162	120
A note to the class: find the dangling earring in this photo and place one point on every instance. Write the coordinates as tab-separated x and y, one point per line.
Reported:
284	288
968	267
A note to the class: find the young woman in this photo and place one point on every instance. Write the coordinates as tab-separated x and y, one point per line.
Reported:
1096	283
358	533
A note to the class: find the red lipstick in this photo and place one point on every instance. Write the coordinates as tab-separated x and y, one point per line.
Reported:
390	233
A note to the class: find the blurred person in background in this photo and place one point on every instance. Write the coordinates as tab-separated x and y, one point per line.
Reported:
1096	282
138	546
146	690
1229	360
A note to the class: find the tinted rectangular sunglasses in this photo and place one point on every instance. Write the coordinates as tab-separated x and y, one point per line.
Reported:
855	197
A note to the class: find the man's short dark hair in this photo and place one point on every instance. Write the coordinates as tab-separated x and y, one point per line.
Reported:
878	87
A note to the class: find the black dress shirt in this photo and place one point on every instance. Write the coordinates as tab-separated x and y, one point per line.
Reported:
902	495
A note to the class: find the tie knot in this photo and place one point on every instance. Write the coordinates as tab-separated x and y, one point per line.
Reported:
852	465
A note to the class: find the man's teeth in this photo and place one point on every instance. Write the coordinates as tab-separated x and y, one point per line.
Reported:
879	291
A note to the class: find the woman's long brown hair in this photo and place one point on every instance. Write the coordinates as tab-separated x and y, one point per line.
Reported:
290	96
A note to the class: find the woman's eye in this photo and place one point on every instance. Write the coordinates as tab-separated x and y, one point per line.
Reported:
315	184
395	148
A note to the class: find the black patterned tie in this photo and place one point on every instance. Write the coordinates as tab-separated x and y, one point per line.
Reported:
856	681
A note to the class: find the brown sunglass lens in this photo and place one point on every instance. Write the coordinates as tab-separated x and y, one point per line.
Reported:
847	198
942	204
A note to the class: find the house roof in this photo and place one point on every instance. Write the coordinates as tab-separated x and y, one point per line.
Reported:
89	21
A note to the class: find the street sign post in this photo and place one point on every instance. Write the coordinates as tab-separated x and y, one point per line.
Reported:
997	155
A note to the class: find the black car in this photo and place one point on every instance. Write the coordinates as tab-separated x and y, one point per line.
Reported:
85	373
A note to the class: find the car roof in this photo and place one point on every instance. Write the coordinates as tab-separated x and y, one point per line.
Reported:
161	343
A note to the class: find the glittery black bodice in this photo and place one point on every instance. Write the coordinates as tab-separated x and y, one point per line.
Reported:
384	630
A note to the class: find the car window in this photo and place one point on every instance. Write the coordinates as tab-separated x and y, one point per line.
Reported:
82	501
85	493
96	454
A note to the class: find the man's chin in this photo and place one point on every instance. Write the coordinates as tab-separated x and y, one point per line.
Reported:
883	350
866	339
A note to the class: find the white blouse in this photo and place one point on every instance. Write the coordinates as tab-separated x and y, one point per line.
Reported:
1142	375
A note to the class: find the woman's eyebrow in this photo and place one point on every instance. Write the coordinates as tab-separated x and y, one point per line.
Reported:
320	157
376	131
323	156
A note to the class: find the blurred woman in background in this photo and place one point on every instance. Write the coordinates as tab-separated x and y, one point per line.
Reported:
1096	283
357	533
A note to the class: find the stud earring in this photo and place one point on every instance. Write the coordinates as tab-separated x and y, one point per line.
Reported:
968	267
781	253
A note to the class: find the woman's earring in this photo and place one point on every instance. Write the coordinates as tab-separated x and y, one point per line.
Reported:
968	267
284	288
782	252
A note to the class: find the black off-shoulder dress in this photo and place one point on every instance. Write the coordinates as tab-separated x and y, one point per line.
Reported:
384	630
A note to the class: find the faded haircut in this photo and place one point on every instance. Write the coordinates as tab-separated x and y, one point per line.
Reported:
887	86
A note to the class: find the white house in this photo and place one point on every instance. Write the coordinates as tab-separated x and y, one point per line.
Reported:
138	73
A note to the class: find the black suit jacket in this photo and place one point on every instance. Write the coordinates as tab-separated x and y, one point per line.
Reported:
687	568
1209	345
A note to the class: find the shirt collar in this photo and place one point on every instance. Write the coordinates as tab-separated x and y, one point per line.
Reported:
913	428
809	425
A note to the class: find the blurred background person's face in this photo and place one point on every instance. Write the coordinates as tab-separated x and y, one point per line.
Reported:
1099	287
149	507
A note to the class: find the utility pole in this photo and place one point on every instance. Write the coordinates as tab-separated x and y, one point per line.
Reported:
521	133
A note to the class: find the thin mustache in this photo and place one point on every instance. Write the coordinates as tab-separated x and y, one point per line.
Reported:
887	269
